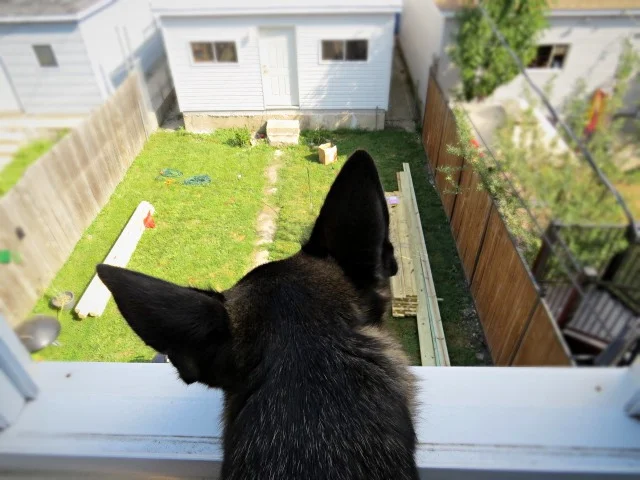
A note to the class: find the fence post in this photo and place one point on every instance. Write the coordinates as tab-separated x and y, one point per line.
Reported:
542	258
150	121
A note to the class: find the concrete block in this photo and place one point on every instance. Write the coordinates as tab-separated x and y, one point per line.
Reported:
283	132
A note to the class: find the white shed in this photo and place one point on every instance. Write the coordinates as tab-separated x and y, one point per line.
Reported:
327	64
68	56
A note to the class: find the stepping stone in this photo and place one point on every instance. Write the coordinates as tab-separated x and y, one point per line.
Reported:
283	132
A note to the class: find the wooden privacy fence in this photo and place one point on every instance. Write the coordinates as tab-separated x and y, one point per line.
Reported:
44	215
518	326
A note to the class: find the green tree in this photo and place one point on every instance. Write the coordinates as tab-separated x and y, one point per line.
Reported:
483	62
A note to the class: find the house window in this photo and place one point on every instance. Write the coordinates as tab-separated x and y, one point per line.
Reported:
214	52
45	55
345	50
550	56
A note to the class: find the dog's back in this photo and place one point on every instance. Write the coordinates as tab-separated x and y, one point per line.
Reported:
314	387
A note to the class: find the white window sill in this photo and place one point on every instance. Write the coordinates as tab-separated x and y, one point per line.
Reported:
488	423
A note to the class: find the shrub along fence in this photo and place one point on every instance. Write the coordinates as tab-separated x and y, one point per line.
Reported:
44	215
518	326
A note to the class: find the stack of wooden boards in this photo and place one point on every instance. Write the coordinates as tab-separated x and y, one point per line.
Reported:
404	301
412	289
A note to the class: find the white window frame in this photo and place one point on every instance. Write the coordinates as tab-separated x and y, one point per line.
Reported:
553	47
345	61
474	422
215	62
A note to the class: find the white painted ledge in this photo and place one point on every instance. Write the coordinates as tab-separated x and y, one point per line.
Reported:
493	423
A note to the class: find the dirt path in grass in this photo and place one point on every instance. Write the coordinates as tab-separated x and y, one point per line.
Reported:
268	216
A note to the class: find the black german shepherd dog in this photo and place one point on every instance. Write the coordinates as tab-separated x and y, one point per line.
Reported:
314	387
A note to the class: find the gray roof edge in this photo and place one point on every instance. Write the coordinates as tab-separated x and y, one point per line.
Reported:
69	17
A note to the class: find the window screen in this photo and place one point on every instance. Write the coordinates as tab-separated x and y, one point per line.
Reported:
202	52
550	56
214	52
332	50
357	50
345	50
45	56
226	52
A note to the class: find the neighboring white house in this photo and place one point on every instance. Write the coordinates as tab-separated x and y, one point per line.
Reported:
68	56
583	41
326	63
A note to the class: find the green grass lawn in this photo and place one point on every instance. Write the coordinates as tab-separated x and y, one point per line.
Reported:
24	157
205	235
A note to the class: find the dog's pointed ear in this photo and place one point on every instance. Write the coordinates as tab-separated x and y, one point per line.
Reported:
353	224
189	325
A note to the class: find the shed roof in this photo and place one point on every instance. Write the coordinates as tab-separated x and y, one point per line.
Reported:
272	7
561	4
47	10
43	7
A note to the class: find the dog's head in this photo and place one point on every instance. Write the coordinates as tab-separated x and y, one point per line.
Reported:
339	279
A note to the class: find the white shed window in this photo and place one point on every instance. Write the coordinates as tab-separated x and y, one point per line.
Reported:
214	52
550	56
345	50
45	55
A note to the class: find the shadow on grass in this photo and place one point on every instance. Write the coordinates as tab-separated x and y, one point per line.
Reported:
140	359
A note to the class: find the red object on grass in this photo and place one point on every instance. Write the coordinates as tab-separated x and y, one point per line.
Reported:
149	222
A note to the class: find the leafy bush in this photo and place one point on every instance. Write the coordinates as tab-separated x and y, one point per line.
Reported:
316	136
239	137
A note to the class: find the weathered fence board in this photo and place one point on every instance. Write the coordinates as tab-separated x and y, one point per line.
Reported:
469	220
517	325
59	195
504	294
433	126
448	186
539	345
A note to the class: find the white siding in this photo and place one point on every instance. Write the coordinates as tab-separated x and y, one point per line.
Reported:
238	87
211	87
348	85
8	100
68	88
595	46
421	31
112	33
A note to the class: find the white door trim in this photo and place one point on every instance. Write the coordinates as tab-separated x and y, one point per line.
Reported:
270	102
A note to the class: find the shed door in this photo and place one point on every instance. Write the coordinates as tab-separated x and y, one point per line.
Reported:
8	100
278	64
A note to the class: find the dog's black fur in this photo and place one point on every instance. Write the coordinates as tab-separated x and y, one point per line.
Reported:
314	388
